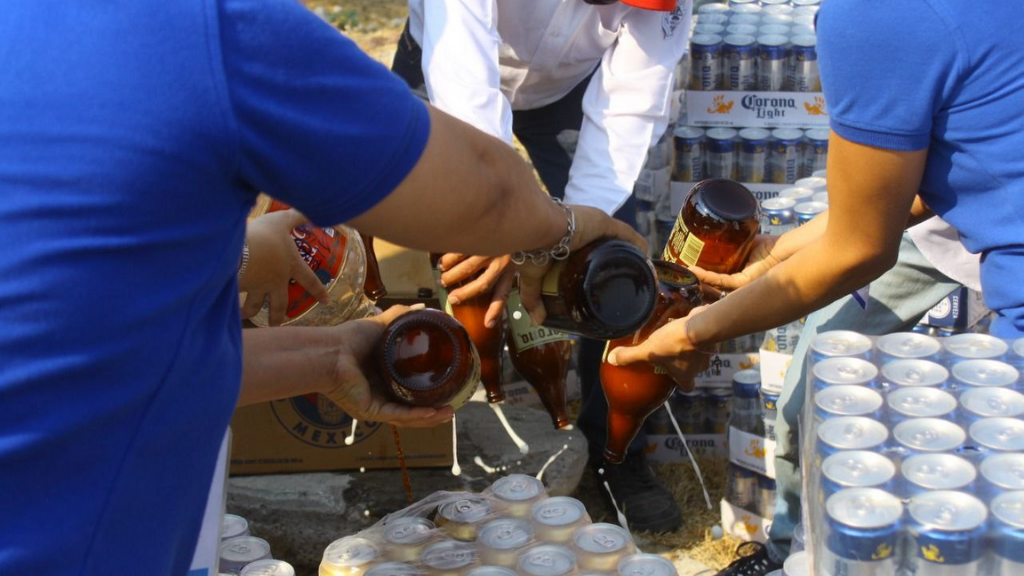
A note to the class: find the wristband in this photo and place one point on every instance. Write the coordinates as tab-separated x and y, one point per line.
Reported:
560	250
244	264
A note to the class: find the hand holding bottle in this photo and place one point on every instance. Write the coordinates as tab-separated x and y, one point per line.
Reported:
669	347
758	263
493	276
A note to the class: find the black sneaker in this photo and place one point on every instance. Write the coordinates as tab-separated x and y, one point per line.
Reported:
753	560
646	503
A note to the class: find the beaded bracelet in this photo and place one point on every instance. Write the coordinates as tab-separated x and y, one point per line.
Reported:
559	252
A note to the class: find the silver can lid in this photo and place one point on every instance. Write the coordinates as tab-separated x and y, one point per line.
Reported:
798	564
778	203
773	29
820	173
820	134
1009	508
914	373
742	30
864	508
858	469
517	488
233	526
409	530
706	39
800	30
852	433
754	134
929	434
601	538
804	41
351	551
393	569
841	343
748	377
977	346
787	134
810	208
772	40
985	373
740	39
558	511
921	402
720	393
776	10
547	560
848	400
465	510
704	28
491	571
796	193
268	568
947	511
505	534
816	184
746	7
1004	470
449	555
993	402
244	549
805	10
784	19
806	2
820	197
646	565
741	18
908	345
714	8
842	370
688	132
938	471
721	134
1018	347
1004	434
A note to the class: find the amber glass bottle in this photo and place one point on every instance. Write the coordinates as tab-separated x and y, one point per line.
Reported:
373	286
541	356
715	228
605	290
634	391
425	358
489	342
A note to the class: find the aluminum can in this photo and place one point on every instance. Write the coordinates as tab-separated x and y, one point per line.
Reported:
717	402
394	569
703	28
804	10
925	472
805	2
776	10
600	547
460	518
914	374
268	568
801	30
947	534
974	347
746	401
803	64
233	526
741	488
820	197
720	153
753	161
745	18
706	61
1002	473
844	400
840	343
820	174
517	493
927	436
980	403
491	571
907	346
721	19
777	216
240	551
782	19
689	154
856	469
772	58
849	433
713	8
1008	534
812	183
555	519
742	30
688	408
907	403
843	371
815	151
806	211
736	4
773	29
406	537
945	332
646	565
449	557
547	560
797	194
996	435
1017	354
766	3
923	329
798	564
765	497
785	155
972	374
499	540
863	526
769	412
349	555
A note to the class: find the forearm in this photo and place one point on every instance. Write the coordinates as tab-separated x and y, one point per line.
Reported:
285	362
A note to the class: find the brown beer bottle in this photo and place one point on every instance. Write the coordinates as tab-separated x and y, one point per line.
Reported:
605	290
635	391
425	358
541	356
373	286
715	228
489	342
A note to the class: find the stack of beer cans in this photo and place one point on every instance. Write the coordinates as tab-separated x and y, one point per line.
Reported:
243	554
914	459
796	205
750	485
512	528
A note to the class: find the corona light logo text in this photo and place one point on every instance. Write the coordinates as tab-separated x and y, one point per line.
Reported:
816	107
720	106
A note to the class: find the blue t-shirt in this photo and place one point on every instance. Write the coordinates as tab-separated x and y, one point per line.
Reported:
947	75
134	136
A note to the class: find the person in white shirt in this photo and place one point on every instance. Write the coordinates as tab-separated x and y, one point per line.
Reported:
597	74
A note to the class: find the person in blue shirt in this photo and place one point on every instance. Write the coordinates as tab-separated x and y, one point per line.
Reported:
134	138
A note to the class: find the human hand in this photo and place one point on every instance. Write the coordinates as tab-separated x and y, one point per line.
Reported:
759	262
349	384
273	261
670	348
494	277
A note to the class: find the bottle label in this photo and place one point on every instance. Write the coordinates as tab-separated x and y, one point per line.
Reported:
442	293
683	247
323	250
549	285
526	334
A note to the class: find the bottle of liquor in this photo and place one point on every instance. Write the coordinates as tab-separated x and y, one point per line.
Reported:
715	228
489	342
541	356
425	358
374	284
605	290
634	391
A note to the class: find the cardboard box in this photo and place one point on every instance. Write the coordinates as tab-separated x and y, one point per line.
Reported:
756	109
668	448
961	310
774	366
719	374
743	524
752	452
298	435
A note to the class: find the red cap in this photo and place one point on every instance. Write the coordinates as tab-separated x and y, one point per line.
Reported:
660	5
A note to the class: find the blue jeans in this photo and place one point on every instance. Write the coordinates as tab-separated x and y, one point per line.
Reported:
898	300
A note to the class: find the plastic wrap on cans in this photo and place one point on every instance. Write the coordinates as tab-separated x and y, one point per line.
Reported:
924	472
741	488
856	469
803	64
500	540
772	57
863	532
688	408
784	155
645	565
722	19
796	194
490	571
1008	538
718	402
840	343
820	197
720	153
349	556
981	403
460	518
780	19
927	436
1017	354
914	374
718	29
237	552
406	537
742	30
1002	473
689	154
771	30
765	497
815	151
555	519
449	557
746	401
769	412
734	4
973	374
798	564
753	158
805	10
268	568
777	216
745	18
907	346
974	347
713	8
995	435
776	9
233	526
739	53
600	547
547	560
807	211
843	371
849	433
947	530
907	403
517	493
812	183
706	59
846	400
393	569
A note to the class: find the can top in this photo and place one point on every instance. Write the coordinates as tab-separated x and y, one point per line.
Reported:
985	373
688	132
947	511
975	346
864	508
810	208
1009	508
778	203
490	571
350	551
798	564
787	134
840	343
806	2
784	19
713	18
601	538
721	133
244	549
746	8
844	400
754	133
706	39
232	526
1004	470
993	402
914	373
776	10
821	135
720	393
409	530
558	511
858	469
268	568
465	510
804	41
820	197
921	402
805	10
748	376
772	40
547	560
796	193
517	487
745	18
767	3
505	534
1018	347
449	555
938	471
394	569
908	345
816	184
804	19
770	29
1004	434
844	370
714	8
929	434
705	28
823	173
740	40
852	433
801	30
646	565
